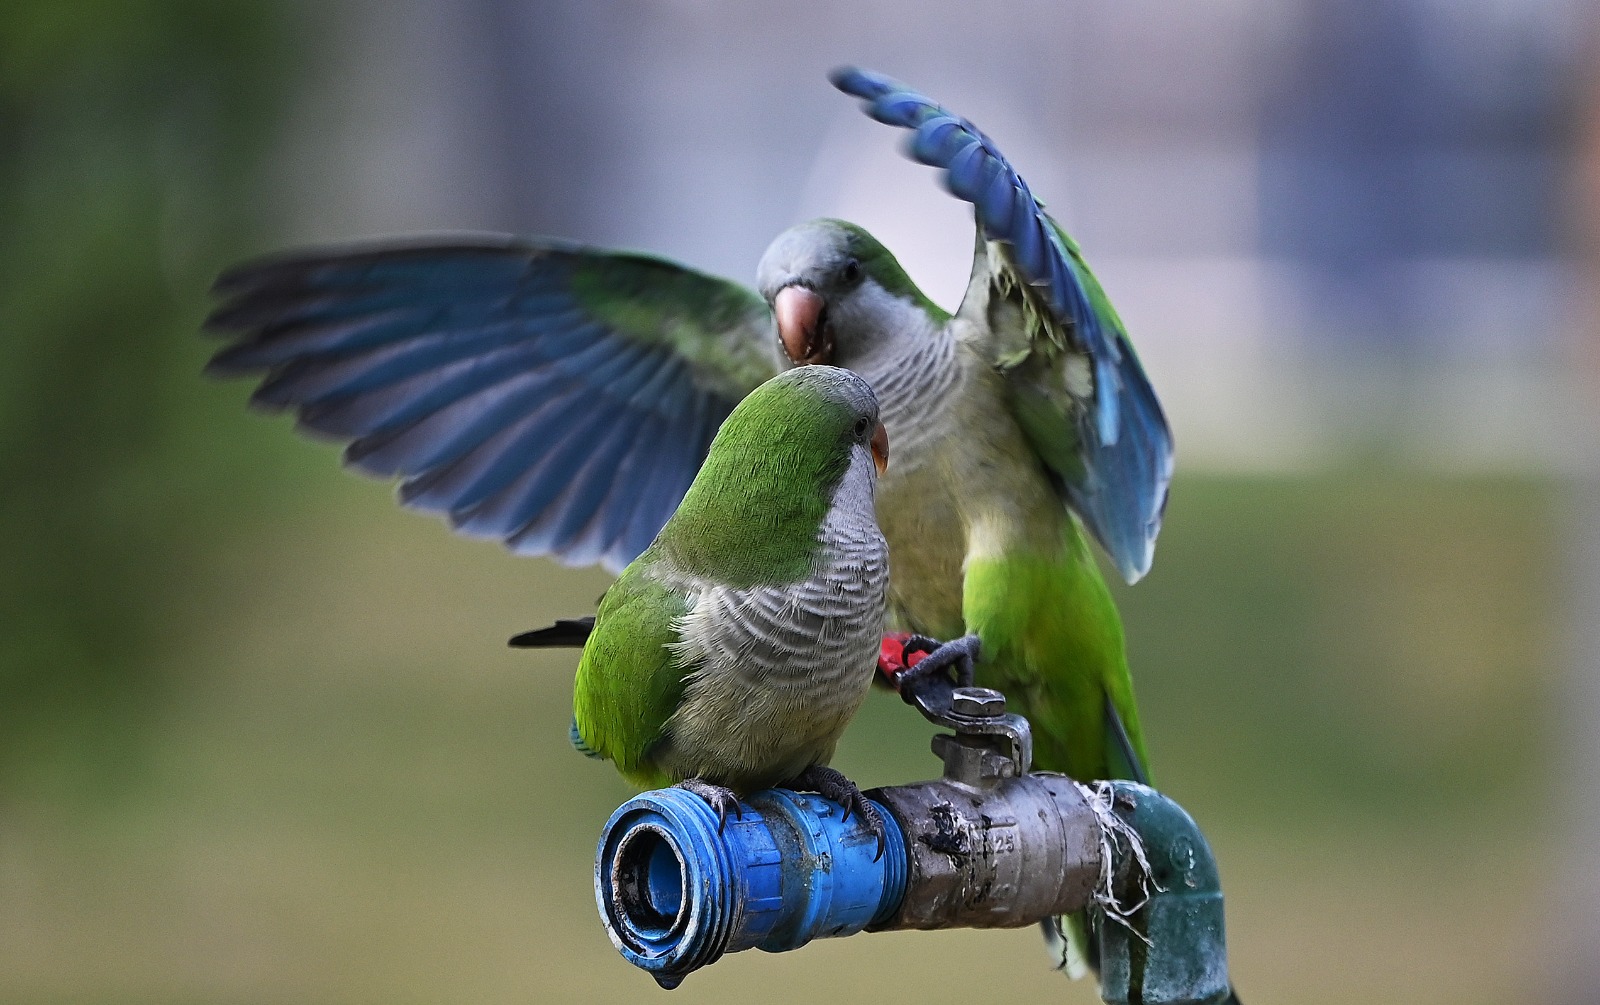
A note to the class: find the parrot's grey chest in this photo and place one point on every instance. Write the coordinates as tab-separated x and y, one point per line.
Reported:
962	480
778	671
921	394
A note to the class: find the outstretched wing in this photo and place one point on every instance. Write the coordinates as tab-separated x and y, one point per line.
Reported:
557	397
1076	386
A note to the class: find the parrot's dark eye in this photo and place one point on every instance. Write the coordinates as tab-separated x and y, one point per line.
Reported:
851	273
863	427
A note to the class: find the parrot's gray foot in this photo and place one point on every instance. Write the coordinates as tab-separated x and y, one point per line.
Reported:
962	654
721	798
833	785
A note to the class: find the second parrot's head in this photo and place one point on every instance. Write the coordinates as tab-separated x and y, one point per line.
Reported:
838	296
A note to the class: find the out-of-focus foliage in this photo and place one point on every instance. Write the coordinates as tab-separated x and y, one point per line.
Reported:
130	131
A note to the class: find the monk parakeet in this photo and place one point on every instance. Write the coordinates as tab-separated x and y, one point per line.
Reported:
561	398
730	655
1022	420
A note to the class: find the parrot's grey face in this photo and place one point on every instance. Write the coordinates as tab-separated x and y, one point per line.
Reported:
823	302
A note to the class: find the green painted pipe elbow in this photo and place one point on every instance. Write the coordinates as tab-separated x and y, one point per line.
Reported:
1172	947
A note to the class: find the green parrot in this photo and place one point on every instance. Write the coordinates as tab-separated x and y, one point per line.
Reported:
730	655
1023	408
560	398
999	417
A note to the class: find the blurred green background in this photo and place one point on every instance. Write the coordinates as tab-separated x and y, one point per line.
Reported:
261	739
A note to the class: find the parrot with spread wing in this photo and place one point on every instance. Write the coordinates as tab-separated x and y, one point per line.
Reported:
561	398
729	657
1025	407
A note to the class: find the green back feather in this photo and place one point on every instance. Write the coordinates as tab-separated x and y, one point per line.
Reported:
627	687
1053	641
752	514
719	327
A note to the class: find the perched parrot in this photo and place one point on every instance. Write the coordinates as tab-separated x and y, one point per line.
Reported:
1025	407
560	398
730	655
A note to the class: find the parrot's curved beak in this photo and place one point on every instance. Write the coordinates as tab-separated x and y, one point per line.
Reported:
880	448
803	326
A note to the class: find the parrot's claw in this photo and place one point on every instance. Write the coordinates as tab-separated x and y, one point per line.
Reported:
962	654
834	786
721	798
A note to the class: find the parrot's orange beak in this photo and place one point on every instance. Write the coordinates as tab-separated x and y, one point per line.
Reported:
880	448
802	328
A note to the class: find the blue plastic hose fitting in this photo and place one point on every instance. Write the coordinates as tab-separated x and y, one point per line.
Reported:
675	894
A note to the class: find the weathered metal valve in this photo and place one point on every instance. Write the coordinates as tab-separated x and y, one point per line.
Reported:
987	845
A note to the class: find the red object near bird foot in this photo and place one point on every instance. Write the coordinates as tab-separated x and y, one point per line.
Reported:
892	658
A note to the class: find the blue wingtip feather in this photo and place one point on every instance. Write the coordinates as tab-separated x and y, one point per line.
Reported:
475	372
1127	444
568	524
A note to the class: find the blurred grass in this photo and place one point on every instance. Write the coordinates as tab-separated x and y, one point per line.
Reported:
358	793
1380	633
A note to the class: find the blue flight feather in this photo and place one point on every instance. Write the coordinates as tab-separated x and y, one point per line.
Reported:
563	525
406	401
447	434
506	513
631	474
493	465
659	496
484	372
1125	442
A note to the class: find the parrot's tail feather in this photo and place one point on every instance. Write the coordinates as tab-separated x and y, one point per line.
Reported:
566	632
1118	732
578	743
1066	944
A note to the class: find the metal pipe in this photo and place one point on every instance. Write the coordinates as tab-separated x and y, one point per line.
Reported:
997	857
989	845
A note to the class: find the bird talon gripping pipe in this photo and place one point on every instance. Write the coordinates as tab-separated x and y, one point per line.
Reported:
988	845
